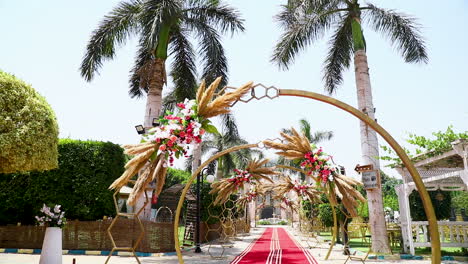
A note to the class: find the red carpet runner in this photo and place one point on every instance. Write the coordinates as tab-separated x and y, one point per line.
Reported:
275	246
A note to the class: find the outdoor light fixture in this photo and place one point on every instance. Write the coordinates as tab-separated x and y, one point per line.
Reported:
155	122
210	178
140	129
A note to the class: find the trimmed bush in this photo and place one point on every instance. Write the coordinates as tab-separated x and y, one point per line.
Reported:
80	184
28	128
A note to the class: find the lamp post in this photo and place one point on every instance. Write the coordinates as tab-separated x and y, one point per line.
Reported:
210	179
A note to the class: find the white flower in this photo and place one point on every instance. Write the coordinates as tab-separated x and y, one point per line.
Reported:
57	208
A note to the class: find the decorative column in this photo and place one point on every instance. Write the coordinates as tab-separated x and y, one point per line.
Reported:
403	191
461	147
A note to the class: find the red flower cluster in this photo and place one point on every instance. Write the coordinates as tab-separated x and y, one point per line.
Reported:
251	196
317	163
241	177
178	131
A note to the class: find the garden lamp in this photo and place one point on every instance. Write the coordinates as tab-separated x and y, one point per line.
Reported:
140	129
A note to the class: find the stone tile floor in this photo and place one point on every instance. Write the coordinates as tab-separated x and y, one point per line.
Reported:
204	258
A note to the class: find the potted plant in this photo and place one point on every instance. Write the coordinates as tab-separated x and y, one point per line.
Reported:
54	220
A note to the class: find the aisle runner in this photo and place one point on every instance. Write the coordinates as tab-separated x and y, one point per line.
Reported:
275	246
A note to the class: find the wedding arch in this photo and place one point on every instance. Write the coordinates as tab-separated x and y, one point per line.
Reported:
260	91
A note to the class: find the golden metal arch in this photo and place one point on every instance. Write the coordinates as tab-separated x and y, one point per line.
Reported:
428	208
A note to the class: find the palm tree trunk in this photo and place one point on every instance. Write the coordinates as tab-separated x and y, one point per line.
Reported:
154	97
370	153
196	161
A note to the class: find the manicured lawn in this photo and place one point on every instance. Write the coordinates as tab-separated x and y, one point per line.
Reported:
357	244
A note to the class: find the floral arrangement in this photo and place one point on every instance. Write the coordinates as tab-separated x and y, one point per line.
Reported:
240	177
174	137
290	203
318	166
253	174
317	162
179	131
286	185
51	217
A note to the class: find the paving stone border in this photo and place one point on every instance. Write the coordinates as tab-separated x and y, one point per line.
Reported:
91	252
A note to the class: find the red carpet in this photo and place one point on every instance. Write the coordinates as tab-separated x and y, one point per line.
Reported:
275	246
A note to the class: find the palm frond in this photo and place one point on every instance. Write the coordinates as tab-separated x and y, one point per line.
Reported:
139	82
114	30
156	14
305	128
320	136
211	51
402	30
229	126
222	17
339	55
183	65
309	26
169	101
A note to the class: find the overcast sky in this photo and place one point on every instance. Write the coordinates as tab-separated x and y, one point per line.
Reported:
42	42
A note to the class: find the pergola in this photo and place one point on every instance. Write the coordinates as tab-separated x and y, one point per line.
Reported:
447	172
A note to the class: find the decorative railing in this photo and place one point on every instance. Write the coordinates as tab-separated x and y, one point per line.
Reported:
452	234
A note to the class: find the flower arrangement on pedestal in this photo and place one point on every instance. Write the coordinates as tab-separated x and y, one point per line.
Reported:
51	217
319	166
253	174
174	137
54	219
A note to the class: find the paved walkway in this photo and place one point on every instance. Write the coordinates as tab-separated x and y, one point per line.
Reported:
239	245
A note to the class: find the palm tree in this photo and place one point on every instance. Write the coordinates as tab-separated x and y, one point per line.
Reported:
306	21
313	137
163	28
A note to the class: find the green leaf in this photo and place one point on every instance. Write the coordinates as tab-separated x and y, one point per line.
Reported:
211	129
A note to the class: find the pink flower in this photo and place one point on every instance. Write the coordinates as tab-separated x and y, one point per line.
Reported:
317	167
181	105
172	138
162	147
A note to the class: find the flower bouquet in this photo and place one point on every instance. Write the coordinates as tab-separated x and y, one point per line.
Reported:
177	133
254	173
306	191
248	197
319	166
51	217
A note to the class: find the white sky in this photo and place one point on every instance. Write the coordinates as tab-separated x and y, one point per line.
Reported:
43	43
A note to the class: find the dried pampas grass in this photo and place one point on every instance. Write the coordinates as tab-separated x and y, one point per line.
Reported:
154	169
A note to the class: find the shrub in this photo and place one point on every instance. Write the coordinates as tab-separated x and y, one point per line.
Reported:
282	222
80	184
263	222
28	128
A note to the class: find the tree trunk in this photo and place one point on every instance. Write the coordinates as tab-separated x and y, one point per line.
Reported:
196	161
154	97
370	153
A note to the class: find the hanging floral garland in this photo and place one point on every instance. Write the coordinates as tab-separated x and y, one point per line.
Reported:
174	137
320	167
253	174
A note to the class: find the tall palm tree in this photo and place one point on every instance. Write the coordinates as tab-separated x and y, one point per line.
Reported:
306	21
313	137
164	28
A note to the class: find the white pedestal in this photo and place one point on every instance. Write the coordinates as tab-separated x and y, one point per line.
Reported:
52	246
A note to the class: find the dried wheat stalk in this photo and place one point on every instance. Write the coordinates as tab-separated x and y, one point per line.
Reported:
154	169
225	187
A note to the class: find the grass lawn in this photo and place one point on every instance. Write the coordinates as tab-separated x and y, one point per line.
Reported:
357	244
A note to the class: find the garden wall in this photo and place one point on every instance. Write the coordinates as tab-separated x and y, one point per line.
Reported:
92	235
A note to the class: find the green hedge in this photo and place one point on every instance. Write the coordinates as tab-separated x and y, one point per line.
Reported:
80	184
28	128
